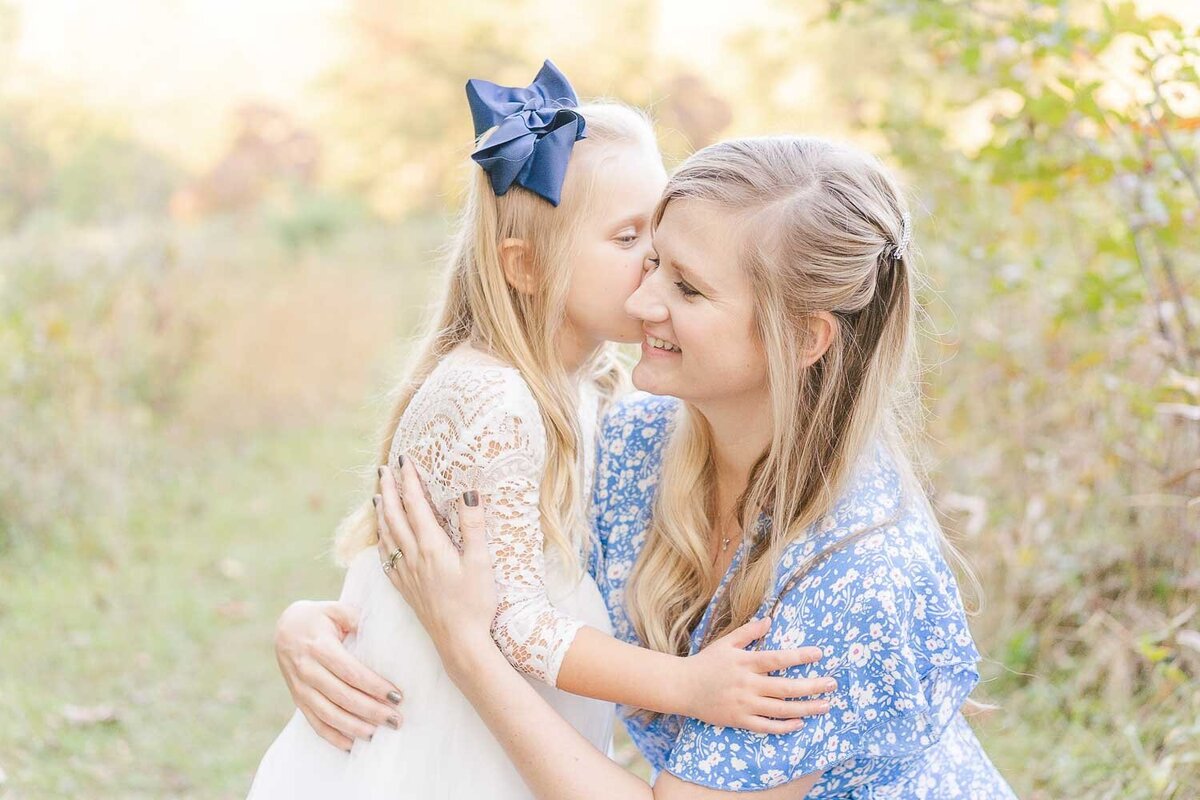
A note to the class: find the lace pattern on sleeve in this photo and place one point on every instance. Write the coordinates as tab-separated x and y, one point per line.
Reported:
474	424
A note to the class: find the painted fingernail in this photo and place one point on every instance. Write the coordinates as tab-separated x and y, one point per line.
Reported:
400	460
393	722
380	472
375	501
394	698
471	498
829	686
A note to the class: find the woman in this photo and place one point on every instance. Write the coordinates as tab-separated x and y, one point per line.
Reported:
778	308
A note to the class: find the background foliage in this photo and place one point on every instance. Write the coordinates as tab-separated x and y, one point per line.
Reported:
192	357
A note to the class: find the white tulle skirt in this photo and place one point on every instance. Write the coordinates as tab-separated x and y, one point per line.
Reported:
442	750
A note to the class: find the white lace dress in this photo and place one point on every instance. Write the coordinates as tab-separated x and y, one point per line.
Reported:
472	424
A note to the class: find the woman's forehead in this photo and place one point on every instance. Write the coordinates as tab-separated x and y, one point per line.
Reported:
699	234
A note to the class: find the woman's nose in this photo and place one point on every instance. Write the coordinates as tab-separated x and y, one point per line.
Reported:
644	303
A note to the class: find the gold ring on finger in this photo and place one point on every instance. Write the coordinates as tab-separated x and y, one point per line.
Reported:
394	557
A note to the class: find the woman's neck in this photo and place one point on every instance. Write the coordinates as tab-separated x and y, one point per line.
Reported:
741	433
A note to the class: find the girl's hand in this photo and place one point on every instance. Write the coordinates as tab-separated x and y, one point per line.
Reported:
729	685
341	699
453	594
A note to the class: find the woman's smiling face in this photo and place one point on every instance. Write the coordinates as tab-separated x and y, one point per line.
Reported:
697	311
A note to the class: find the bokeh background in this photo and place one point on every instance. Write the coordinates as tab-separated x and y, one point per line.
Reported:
218	223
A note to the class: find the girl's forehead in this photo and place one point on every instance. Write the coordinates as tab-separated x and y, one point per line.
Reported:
628	183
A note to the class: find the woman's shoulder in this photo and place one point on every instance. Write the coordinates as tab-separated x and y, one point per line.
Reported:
877	557
638	421
632	436
878	503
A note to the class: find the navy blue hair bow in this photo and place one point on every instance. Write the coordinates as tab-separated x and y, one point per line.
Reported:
537	127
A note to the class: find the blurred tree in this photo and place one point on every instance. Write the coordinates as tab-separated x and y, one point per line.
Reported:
1055	149
398	120
691	108
268	152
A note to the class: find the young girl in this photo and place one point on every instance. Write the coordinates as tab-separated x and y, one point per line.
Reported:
504	399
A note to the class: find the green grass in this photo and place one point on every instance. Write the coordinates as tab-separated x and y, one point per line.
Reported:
170	624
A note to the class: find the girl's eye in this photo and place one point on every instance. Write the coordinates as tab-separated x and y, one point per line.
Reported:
627	238
686	290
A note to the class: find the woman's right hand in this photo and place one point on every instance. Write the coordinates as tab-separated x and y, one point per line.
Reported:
341	699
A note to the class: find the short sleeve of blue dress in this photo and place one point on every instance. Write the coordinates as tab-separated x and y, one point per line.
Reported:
877	597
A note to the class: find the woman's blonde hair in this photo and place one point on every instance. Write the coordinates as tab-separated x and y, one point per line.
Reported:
821	224
519	327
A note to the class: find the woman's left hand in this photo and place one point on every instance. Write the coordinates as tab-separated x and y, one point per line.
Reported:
452	593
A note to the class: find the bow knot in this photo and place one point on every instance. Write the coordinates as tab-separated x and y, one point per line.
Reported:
536	129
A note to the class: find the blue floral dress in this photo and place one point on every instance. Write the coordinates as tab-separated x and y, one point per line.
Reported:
884	609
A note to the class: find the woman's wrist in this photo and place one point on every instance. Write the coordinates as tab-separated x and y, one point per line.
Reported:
468	652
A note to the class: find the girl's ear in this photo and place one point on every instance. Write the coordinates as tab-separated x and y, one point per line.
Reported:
518	265
821	328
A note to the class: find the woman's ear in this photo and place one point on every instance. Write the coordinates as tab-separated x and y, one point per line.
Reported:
518	265
820	327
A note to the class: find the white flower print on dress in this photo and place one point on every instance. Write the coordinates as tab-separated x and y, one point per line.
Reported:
884	609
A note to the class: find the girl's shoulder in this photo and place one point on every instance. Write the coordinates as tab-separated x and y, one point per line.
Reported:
473	406
480	386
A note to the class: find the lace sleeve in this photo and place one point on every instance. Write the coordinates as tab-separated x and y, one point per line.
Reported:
479	427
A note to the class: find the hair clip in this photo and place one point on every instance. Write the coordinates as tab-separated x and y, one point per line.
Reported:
900	250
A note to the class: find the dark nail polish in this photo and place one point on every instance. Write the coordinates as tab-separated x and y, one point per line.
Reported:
393	723
471	498
394	698
380	471
400	460
375	501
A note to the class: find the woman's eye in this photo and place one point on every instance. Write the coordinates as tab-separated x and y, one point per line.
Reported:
651	264
627	238
686	290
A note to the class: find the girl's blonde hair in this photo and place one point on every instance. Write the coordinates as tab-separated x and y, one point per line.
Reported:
820	223
520	328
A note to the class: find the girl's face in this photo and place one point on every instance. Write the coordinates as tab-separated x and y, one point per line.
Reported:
696	307
613	244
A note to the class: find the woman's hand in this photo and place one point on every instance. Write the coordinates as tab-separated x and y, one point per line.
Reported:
453	594
341	699
729	685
